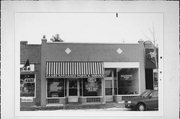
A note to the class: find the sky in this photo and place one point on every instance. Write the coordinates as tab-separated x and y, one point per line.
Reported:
89	27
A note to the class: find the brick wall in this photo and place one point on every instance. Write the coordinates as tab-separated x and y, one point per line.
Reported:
90	52
93	52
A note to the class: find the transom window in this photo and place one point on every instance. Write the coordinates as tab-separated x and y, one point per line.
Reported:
108	72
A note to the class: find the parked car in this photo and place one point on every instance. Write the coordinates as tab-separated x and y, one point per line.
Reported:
147	100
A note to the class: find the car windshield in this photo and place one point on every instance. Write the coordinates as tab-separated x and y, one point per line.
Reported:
145	93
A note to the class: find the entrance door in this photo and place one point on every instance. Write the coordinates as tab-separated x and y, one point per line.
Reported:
109	84
73	90
109	90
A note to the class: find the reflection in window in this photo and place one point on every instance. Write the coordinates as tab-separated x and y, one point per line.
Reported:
154	94
128	81
27	85
55	88
108	72
92	87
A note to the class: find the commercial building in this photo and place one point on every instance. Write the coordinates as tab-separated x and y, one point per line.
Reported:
60	73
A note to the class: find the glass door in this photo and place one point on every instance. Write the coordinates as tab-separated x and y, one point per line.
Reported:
109	90
73	90
109	84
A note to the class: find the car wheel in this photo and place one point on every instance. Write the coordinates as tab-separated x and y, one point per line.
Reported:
141	107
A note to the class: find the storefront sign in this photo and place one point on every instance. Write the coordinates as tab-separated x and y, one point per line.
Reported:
26	99
71	76
27	68
91	85
91	80
126	77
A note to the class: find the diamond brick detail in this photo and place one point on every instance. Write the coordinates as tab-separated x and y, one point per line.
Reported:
68	50
119	51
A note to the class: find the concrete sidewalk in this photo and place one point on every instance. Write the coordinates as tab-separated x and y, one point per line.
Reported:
107	106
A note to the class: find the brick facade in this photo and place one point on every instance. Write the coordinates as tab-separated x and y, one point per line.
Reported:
40	54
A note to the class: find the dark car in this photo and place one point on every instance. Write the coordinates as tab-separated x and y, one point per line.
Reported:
147	100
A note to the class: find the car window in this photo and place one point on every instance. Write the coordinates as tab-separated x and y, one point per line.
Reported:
154	94
146	93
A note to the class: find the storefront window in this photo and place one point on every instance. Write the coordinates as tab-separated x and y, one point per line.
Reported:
128	81
92	87
27	85
55	87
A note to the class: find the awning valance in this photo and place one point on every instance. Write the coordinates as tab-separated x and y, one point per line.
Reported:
74	69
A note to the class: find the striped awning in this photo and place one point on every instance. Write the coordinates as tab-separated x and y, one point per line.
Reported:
74	69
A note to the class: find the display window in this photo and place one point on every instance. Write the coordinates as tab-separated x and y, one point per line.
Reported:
128	81
92	87
27	85
55	87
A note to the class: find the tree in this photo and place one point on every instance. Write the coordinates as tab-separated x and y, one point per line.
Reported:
56	38
154	53
152	37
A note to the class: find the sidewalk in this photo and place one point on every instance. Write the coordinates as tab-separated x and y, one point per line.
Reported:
107	106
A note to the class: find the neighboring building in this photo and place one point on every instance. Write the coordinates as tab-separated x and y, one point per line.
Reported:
151	64
83	73
30	83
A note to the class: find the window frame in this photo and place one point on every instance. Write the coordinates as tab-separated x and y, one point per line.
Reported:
83	88
65	88
34	87
139	83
